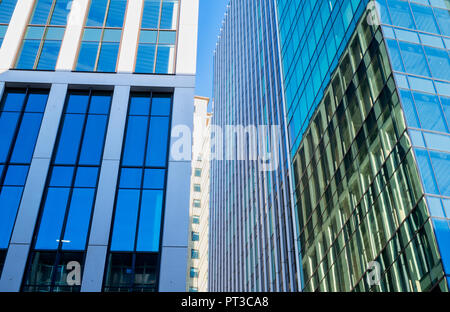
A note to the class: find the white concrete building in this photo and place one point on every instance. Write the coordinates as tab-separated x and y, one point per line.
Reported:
197	275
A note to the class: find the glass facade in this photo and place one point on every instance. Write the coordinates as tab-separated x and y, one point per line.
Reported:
21	113
102	35
137	224
44	34
65	217
358	188
252	242
157	38
418	39
6	11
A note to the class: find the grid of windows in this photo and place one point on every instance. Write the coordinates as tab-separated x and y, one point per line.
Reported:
418	38
136	228
6	11
158	34
69	197
44	34
20	121
357	186
102	34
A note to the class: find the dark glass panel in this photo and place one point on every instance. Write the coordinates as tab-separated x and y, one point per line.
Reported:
40	272
145	272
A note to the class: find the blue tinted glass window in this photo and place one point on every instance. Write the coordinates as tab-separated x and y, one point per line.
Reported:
150	221
87	56
145	58
442	230
426	171
424	18
140	105
439	62
396	59
49	55
62	176
97	13
49	234
94	136
401	13
70	139
108	57
41	11
168	15
150	18
131	178
28	55
70	194
430	112
78	219
135	141
116	13
414	59
441	165
26	138
60	12
163	59
8	123
16	175
9	201
157	142
154	178
86	177
161	105
442	17
125	220
6	10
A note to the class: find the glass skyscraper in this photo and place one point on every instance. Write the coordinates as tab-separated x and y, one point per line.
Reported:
366	92
90	91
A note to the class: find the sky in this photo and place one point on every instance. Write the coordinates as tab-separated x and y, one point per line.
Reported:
210	19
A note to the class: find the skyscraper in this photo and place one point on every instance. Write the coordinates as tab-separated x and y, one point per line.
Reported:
199	210
90	91
366	91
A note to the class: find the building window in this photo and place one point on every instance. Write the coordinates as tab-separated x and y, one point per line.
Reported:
21	112
136	228
127	272
6	11
197	188
156	49
196	219
67	206
193	289
193	273
2	259
195	236
43	37
198	172
197	203
102	34
194	254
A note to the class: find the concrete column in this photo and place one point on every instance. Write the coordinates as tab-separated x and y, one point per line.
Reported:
176	214
14	35
128	48
187	38
72	36
104	203
22	236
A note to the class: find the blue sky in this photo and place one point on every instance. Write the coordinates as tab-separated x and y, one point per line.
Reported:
210	19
